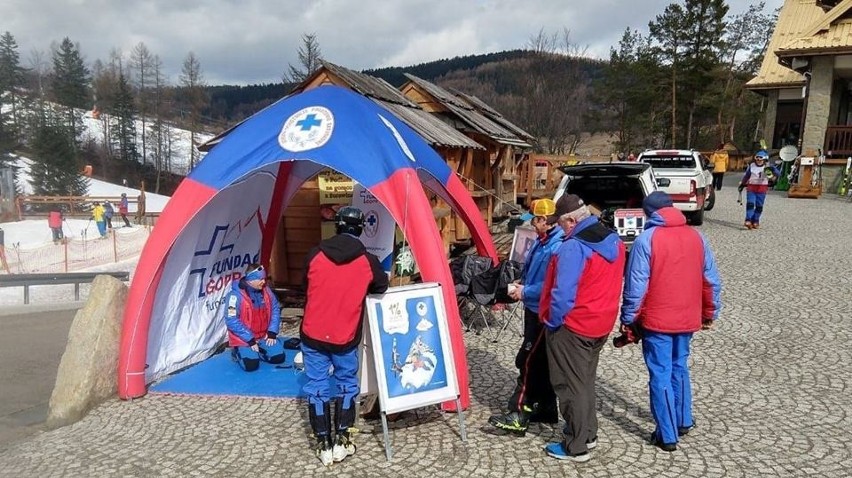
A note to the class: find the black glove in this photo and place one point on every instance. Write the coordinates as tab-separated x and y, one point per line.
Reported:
740	187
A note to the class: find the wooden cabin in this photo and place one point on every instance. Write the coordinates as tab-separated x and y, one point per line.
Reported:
491	175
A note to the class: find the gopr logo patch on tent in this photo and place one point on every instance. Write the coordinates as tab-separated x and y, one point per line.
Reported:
308	128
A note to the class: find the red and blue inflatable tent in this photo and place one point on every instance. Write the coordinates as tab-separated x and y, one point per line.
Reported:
224	215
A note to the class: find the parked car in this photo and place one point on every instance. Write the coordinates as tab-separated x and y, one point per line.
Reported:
691	180
614	192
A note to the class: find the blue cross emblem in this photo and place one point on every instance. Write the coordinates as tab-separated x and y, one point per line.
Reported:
309	122
371	220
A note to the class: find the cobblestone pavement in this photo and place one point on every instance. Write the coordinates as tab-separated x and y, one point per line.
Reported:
771	383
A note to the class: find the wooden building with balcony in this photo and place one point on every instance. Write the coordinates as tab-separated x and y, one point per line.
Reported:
806	77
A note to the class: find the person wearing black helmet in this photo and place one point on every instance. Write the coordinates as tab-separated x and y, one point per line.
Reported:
339	273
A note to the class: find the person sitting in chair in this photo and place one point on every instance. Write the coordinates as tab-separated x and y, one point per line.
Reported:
253	317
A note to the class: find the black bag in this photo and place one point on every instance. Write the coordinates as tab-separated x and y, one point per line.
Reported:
491	286
465	268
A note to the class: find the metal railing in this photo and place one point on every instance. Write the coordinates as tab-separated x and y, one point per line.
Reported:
76	278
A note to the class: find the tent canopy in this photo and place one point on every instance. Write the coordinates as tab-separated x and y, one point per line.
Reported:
224	215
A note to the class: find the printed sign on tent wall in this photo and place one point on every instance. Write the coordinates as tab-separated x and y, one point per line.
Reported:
379	226
335	190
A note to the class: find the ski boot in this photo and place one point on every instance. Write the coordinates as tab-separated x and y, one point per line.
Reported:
747	225
321	425
325	450
515	422
344	420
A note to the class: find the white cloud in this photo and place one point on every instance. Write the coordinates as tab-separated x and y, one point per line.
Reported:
252	41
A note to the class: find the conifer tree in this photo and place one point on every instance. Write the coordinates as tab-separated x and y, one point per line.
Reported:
124	121
55	172
11	81
70	85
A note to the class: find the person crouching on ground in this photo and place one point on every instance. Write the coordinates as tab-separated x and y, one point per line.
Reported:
579	305
756	183
338	276
669	256
253	318
533	398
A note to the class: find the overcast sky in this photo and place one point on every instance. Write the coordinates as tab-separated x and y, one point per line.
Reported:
252	41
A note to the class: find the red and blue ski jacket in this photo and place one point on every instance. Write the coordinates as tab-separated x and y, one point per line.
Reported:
672	282
535	266
338	276
251	314
582	286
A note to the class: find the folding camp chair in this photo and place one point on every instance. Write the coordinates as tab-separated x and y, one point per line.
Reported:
488	294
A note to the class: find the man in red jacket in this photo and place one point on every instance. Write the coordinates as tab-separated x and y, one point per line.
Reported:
338	276
579	305
671	291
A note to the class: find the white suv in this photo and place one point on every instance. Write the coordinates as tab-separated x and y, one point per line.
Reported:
614	192
691	181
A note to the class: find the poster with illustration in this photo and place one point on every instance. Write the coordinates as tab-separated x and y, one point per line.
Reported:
411	349
522	241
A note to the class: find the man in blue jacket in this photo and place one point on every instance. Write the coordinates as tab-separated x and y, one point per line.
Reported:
253	317
533	398
669	256
579	306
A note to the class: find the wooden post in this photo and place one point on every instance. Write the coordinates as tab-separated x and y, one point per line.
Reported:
114	245
65	246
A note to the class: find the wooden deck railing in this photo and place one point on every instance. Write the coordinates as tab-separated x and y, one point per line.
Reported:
838	141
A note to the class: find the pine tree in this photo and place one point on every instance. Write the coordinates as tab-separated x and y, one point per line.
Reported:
141	64
70	85
55	171
11	81
124	122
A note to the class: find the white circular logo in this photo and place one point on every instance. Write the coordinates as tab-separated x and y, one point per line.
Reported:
422	309
307	129
371	223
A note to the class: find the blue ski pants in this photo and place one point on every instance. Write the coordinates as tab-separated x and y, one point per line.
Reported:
249	360
318	387
754	206
666	357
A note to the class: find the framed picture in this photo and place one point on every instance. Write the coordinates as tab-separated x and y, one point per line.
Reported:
522	241
411	352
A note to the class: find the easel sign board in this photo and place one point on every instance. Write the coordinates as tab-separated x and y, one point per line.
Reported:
411	351
522	241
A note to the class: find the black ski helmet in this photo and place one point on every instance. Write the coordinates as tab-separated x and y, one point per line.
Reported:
349	220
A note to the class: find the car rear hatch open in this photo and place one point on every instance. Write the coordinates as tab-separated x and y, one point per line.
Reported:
613	192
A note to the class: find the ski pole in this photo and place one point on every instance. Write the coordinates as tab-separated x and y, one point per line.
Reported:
740	198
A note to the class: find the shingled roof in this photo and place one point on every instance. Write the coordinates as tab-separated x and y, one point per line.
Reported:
430	128
804	28
470	116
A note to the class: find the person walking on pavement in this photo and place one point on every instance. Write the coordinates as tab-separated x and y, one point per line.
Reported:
533	398
719	159
579	306
123	206
668	256
253	318
756	182
98	214
339	274
54	222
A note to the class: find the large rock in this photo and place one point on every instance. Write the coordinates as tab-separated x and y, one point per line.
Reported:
88	371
